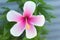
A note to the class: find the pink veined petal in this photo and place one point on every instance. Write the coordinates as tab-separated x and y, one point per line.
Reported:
37	20
13	16
29	8
31	32
17	29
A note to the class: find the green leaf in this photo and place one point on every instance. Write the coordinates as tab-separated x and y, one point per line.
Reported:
6	30
41	1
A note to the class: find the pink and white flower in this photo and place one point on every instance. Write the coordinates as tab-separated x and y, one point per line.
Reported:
25	21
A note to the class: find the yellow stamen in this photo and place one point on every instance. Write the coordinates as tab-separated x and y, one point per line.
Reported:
27	26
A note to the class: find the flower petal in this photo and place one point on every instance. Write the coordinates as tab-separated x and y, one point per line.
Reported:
29	8
37	20
31	32
17	29
13	16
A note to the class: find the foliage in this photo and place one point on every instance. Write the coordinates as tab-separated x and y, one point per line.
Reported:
40	9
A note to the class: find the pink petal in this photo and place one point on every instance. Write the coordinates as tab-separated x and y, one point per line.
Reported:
37	20
31	32
29	8
13	16
17	29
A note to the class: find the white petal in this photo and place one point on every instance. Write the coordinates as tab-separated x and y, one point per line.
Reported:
29	7
37	20
31	32
13	16
17	29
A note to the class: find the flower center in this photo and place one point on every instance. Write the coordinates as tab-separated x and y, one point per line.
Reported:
27	24
26	17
